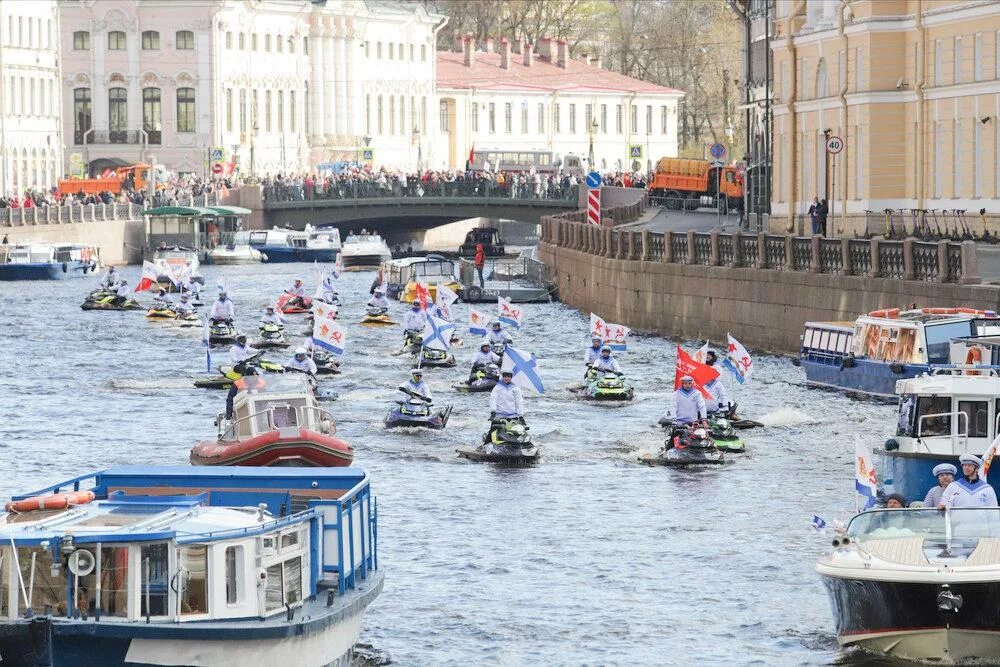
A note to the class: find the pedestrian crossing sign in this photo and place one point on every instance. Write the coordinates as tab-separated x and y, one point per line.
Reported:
218	155
368	154
635	151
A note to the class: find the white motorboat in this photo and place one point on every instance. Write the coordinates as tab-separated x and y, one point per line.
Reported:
918	584
364	251
176	263
237	251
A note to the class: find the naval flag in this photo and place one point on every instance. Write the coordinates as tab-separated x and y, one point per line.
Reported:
509	314
437	333
478	322
524	367
865	482
613	335
150	272
738	361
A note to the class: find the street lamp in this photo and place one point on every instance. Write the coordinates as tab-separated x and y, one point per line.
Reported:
420	148
593	130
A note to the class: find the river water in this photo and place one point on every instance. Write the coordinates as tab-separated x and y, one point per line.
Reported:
587	558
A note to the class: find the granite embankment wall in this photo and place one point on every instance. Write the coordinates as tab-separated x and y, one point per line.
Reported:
638	280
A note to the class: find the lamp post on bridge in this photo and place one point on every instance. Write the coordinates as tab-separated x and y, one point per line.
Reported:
420	149
592	130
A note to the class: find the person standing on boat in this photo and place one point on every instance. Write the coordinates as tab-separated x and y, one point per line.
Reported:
272	317
223	309
605	363
720	397
945	474
687	405
594	351
416	385
969	490
506	399
301	362
415	319
378	300
480	262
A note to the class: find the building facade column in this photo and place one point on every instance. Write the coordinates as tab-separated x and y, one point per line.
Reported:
343	76
354	117
329	94
317	97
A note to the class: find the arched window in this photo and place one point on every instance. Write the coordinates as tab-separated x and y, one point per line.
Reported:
184	40
117	115
185	110
116	40
150	40
82	110
152	119
822	80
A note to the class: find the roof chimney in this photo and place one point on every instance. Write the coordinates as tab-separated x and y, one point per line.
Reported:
489	45
545	48
529	53
505	53
467	50
562	53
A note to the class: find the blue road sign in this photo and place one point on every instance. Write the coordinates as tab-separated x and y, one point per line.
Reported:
593	180
717	151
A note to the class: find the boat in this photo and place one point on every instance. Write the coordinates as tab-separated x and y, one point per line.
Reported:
403	274
416	412
884	346
276	422
229	375
483	378
607	387
326	363
175	263
690	446
917	584
47	261
237	251
376	317
506	442
723	432
161	312
180	565
282	305
523	279
222	333
364	251
287	245
433	358
270	335
101	299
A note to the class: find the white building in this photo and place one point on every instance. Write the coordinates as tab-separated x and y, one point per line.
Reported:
542	99
30	108
281	85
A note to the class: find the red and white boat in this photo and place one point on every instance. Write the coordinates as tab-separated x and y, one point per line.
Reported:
276	422
282	304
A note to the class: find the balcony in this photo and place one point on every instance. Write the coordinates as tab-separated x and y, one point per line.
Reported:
133	137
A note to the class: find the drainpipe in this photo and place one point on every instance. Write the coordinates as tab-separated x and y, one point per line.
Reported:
842	164
921	147
793	164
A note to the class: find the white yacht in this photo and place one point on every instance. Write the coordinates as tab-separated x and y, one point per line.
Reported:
364	251
237	251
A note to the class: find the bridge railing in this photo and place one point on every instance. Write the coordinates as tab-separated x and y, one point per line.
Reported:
909	259
57	215
348	190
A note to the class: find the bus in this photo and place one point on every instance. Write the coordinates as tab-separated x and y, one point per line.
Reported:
544	161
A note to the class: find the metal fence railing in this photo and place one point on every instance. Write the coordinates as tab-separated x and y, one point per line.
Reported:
370	189
50	215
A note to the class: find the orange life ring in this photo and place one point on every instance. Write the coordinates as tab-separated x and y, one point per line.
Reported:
56	501
972	357
890	313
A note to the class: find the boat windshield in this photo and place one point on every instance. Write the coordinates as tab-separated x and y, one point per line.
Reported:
939	338
933	524
432	269
289	383
366	238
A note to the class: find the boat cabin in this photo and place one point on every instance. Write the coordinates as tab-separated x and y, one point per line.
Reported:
174	544
430	270
278	237
948	411
274	402
325	238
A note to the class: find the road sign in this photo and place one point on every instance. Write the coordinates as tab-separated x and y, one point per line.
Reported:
718	151
718	163
635	152
834	145
217	154
368	154
217	168
593	180
594	205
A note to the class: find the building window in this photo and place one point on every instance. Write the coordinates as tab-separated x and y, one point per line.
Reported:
389	49
493	118
618	118
399	52
508	117
649	119
242	40
423	53
977	155
663	120
305	45
267	110
151	114
292	116
291	45
475	116
402	115
958	61
572	119
423	115
267	43
957	148
588	116
185	109
556	120
977	57
229	109
443	123
229	40
368	114
81	40
243	114
150	40
117	115
278	44
253	41
635	119
541	118
116	40
281	111
412	53
184	40
378	51
524	118
81	113
604	119
392	114
379	115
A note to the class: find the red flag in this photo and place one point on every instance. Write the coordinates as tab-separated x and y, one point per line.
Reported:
150	274
702	373
472	153
423	295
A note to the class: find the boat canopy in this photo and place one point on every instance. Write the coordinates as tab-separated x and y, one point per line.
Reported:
230	210
183	211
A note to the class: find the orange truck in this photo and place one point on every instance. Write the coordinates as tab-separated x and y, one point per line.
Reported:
694	183
136	175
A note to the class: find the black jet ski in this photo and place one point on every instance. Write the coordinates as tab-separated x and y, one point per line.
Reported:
607	386
432	358
104	300
412	342
506	442
326	363
270	336
375	317
416	411
229	374
688	444
483	378
222	333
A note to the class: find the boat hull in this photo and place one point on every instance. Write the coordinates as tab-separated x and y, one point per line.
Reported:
866	376
285	254
901	619
281	447
362	262
233	258
318	635
912	473
46	271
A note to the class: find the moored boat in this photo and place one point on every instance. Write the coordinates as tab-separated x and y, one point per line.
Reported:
47	261
177	565
364	251
287	245
176	263
236	251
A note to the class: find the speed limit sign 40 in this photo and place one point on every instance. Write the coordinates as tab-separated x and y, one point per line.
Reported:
834	145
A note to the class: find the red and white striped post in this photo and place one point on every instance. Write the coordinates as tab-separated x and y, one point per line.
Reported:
594	198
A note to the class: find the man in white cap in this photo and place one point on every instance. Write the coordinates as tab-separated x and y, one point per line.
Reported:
969	490
416	385
606	363
945	474
415	319
271	316
223	309
594	351
378	300
687	404
301	362
506	399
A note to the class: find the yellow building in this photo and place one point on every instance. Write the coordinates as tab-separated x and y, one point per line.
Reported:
912	87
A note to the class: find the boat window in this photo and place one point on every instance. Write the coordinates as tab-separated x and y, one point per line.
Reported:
234	574
940	422
154	564
273	591
906	421
807	338
824	340
928	524
979	418
194	593
114	581
292	579
939	337
4	583
290	539
46	587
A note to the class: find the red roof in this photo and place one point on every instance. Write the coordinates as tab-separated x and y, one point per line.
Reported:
543	75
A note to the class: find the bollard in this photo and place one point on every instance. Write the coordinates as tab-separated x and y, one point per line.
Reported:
814	263
644	242
713	248
908	272
690	243
942	276
970	268
845	256
789	252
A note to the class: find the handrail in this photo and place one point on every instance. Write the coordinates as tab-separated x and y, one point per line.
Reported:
951	436
300	420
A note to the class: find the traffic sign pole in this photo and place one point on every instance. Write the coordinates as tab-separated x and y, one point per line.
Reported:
834	145
593	182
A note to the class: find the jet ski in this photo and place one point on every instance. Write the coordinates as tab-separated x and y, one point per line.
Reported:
188	319
103	300
159	311
688	444
416	411
270	336
499	349
284	299
412	342
506	442
483	378
724	433
222	333
229	374
326	363
332	299
607	386
431	358
376	317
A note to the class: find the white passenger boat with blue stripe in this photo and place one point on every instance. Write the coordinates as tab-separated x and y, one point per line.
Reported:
143	565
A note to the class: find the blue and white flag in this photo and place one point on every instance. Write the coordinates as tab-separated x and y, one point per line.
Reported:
865	482
508	313
437	333
207	342
478	322
612	335
443	298
327	334
524	367
338	267
818	524
738	361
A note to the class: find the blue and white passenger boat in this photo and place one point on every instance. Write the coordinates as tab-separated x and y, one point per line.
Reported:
46	261
884	346
142	565
287	245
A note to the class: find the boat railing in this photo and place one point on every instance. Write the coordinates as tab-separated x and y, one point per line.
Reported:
965	369
305	415
350	535
958	437
74	484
